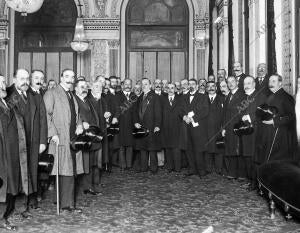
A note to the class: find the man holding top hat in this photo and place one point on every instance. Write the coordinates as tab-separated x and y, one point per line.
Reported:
277	140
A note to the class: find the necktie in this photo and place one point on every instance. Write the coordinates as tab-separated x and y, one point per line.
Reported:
171	100
127	96
260	81
24	97
211	99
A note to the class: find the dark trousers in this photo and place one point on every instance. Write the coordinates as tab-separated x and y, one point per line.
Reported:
145	158
91	179
231	166
214	162
245	167
125	157
67	191
7	208
196	162
137	160
173	159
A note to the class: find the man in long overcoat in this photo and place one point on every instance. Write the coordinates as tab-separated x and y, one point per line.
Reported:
63	125
148	114
13	156
126	99
233	108
33	111
171	127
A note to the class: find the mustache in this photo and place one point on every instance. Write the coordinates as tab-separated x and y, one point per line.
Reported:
69	82
84	92
24	85
38	84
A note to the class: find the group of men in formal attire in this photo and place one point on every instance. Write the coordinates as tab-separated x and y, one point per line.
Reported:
186	121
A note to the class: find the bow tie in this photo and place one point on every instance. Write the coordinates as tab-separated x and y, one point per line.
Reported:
192	94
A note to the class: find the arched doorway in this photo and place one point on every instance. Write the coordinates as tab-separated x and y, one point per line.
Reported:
157	39
42	39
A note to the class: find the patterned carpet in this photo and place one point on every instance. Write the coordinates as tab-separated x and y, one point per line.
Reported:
141	202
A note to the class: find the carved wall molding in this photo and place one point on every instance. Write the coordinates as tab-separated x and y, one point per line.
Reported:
99	57
101	24
113	44
3	24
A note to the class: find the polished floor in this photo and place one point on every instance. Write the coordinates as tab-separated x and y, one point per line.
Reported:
141	202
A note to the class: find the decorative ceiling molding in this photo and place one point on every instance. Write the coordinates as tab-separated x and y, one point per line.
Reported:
101	24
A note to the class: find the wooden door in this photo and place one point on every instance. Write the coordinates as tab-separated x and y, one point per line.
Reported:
163	65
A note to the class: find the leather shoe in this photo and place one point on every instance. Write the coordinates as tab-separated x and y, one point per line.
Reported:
92	192
26	214
66	209
76	210
7	225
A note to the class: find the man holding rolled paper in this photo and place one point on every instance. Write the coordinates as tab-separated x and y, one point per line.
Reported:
195	109
63	125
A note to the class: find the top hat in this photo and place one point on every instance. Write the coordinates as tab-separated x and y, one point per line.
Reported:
265	112
46	162
243	128
112	130
95	133
220	142
81	142
140	132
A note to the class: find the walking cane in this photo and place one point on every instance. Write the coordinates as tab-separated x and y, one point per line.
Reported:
272	144
57	179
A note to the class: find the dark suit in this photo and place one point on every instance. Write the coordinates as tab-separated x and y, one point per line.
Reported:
240	80
126	127
113	107
9	161
284	125
214	155
263	87
33	112
249	141
171	126
233	108
148	114
196	136
88	114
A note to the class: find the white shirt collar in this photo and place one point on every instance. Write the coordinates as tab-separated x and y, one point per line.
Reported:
80	97
213	96
251	92
234	91
64	88
35	90
157	92
21	92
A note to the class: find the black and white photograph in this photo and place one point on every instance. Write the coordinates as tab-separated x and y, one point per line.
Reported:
150	116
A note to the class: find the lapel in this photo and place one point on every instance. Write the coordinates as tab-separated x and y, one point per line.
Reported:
33	107
94	111
62	97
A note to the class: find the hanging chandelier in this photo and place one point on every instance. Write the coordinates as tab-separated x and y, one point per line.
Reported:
79	43
25	6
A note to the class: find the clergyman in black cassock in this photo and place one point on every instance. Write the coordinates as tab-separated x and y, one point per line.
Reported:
277	139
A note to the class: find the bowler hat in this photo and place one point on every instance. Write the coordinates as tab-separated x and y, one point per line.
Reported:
265	112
